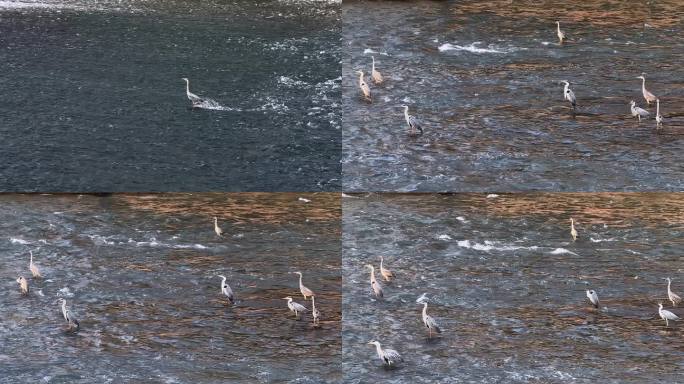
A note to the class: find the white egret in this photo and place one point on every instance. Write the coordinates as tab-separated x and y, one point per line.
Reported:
573	231
194	99
375	74
365	89
561	35
375	286
593	297
638	112
23	285
217	229
386	273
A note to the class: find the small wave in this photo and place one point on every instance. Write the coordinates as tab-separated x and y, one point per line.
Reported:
371	51
290	82
473	48
601	240
15	240
461	219
444	237
561	251
492	196
492	246
213	105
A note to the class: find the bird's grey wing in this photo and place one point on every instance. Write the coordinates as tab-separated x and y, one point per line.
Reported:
393	355
414	123
433	324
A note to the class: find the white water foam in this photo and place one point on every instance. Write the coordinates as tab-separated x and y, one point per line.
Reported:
493	246
474	48
15	240
561	251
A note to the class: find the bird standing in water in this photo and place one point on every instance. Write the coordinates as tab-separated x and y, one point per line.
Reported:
34	268
365	89
375	286
561	35
306	292
593	297
674	298
412	122
194	99
388	356
315	313
375	74
659	117
68	316
638	112
295	307
387	275
217	229
648	96
226	291
573	231
429	322
666	315
23	285
568	94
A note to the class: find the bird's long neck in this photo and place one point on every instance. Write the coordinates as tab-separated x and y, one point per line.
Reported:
406	114
360	77
187	87
223	282
300	280
378	349
381	263
643	83
668	286
372	274
658	113
31	262
558	26
425	309
64	309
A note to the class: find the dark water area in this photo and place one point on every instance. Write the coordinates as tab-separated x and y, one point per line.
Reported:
140	273
94	99
484	79
506	283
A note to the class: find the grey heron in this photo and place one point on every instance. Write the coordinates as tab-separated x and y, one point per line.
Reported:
388	356
375	74
34	268
306	292
365	89
593	297
375	286
647	95
568	94
68	316
294	307
674	298
194	99
659	117
217	229
386	273
573	231
666	315
226	291
561	35
429	321
638	112
23	285
315	313
412	122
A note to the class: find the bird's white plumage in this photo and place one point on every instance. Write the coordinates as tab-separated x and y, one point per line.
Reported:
666	315
226	290
306	292
294	306
593	297
387	355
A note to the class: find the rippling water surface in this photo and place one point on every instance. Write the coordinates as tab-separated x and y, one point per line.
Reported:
140	273
507	284
93	98
484	79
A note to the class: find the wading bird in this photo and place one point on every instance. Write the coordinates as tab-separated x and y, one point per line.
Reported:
315	313
674	298
306	292
194	99
294	307
573	231
638	112
568	94
412	122
647	95
561	35
34	268
23	285
375	74
659	117
217	229
365	89
388	356
593	297
225	289
429	322
666	315
386	273
375	286
68	316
